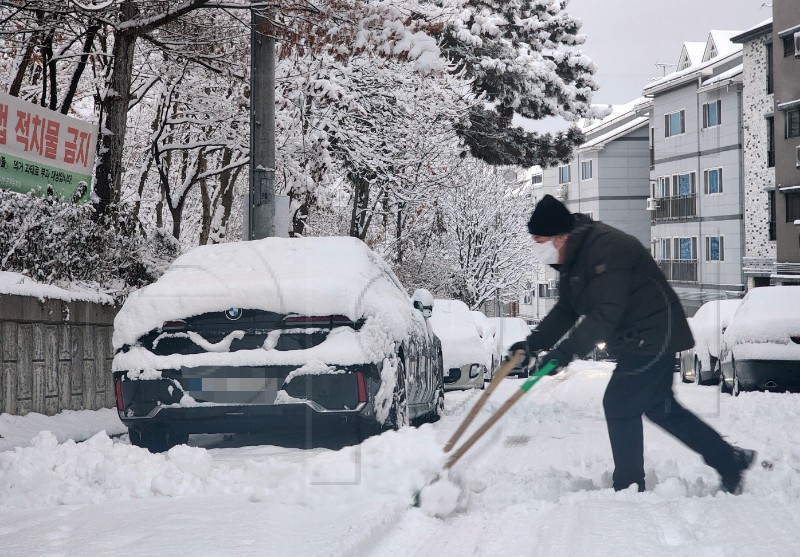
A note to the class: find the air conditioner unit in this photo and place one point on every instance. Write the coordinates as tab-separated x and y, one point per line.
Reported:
652	203
797	44
552	284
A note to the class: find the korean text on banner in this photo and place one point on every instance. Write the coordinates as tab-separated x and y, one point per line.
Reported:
45	151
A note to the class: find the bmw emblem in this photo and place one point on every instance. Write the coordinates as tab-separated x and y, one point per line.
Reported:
233	313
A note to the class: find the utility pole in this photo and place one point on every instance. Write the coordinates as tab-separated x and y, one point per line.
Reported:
261	221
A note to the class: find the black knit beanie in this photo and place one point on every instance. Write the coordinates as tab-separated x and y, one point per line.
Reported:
550	217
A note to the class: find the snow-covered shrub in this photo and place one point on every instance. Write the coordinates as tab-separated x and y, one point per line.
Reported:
56	242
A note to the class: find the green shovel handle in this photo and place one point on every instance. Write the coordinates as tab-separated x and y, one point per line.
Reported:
545	369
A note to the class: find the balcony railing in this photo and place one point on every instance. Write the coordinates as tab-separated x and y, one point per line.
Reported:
678	207
680	270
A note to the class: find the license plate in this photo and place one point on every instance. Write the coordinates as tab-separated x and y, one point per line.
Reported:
237	390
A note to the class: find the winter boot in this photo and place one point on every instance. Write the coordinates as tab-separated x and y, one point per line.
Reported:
732	481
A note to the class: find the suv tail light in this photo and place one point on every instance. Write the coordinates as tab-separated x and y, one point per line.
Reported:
362	388
118	393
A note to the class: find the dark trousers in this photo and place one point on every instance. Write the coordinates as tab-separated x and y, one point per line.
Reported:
642	385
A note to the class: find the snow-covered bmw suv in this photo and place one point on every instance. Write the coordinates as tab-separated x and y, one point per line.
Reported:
252	336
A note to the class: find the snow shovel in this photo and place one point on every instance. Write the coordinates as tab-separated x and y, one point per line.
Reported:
524	388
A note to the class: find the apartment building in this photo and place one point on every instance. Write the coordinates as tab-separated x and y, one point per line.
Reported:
786	77
696	186
758	125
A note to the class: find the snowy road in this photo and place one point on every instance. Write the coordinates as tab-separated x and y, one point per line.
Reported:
538	485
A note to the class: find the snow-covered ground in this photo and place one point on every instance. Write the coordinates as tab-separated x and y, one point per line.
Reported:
538	485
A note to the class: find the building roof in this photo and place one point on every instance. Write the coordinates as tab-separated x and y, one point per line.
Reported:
618	112
600	141
724	76
691	53
754	32
718	47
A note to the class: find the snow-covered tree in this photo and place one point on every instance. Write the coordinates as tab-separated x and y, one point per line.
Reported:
523	60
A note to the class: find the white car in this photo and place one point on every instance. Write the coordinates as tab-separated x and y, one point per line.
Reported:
509	331
487	331
699	363
761	347
462	347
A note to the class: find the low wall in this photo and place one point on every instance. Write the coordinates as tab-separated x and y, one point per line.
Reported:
54	355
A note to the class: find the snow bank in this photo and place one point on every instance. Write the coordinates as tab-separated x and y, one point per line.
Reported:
49	473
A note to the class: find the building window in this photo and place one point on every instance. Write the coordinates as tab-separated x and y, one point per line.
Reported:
715	248
563	175
793	123
527	299
663	187
683	185
544	290
664	248
712	114
792	207
712	180
586	170
788	46
770	141
770	83
772	215
685	249
674	123
536	179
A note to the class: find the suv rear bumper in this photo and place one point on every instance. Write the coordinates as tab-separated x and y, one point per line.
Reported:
182	401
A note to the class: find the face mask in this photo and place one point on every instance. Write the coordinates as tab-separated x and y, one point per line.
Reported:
546	252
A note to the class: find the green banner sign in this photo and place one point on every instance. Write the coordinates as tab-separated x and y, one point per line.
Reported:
45	152
23	176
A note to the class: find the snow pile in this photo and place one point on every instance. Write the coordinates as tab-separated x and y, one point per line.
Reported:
49	473
440	498
307	276
454	325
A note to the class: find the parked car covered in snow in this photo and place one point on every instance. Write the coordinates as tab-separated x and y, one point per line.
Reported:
462	347
760	349
487	332
253	336
699	363
511	330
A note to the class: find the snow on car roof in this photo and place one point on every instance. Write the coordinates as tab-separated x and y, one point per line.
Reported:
306	276
714	316
454	325
767	314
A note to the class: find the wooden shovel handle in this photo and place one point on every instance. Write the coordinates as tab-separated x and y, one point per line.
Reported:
501	374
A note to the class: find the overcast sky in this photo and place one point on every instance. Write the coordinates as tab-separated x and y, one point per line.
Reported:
626	38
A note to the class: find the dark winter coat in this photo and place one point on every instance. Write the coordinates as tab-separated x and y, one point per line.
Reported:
610	280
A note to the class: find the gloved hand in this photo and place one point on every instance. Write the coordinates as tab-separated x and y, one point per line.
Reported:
559	356
521	345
